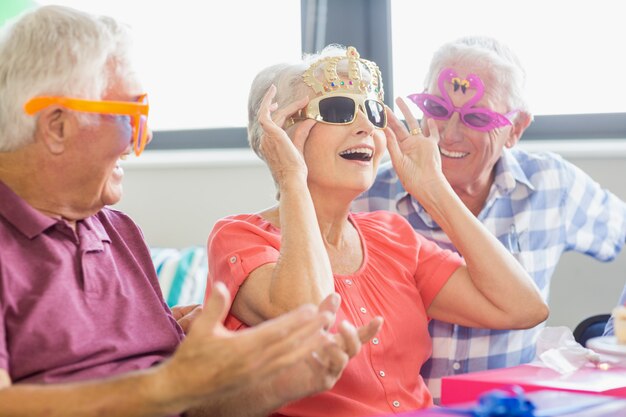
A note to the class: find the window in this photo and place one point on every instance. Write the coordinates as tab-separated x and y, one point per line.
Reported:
572	50
205	61
197	59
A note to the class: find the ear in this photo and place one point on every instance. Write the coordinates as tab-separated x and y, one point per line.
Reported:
53	128
522	121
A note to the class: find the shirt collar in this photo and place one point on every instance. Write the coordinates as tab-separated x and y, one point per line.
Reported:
30	222
509	173
22	215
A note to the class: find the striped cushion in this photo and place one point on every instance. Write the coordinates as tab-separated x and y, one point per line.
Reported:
182	274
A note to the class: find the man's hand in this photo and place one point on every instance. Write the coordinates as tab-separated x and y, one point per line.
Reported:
213	361
324	365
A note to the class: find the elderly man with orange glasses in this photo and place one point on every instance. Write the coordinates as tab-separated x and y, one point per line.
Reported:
84	329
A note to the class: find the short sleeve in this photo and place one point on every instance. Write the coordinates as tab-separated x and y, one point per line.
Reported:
434	266
236	247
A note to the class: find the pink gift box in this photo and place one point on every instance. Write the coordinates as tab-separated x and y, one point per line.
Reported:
581	405
589	380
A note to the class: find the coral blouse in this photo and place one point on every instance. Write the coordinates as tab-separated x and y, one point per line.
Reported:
401	274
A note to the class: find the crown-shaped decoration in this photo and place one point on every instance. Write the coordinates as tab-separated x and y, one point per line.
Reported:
354	84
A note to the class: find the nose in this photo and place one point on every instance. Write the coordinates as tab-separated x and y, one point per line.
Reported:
450	130
362	123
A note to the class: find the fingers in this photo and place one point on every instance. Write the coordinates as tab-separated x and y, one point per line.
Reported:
265	110
285	346
395	153
406	112
336	361
394	123
281	115
181	311
367	332
215	308
349	338
289	328
273	119
185	321
301	133
269	112
330	304
433	130
266	102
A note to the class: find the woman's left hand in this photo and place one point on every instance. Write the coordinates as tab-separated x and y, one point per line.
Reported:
414	155
283	148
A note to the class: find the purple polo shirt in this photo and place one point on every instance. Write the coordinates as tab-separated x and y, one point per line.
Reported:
77	305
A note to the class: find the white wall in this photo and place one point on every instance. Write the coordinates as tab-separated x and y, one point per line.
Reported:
176	196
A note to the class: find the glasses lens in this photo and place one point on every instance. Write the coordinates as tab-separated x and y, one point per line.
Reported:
376	113
477	119
140	131
434	109
337	109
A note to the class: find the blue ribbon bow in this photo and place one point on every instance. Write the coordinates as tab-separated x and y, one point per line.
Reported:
514	403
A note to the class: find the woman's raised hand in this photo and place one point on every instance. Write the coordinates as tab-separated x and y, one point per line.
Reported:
283	148
415	156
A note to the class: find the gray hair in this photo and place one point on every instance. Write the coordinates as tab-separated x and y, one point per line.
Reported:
56	50
507	73
287	78
289	87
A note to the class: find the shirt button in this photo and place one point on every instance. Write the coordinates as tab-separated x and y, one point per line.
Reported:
456	366
396	404
348	281
233	259
375	341
381	373
363	310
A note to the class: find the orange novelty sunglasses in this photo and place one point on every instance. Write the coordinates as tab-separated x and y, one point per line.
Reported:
138	112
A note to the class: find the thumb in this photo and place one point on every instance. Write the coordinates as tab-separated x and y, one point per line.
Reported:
330	304
215	308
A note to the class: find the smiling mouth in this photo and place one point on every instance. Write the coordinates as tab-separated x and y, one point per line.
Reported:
357	154
451	154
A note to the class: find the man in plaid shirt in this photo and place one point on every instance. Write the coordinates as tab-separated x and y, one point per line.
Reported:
537	205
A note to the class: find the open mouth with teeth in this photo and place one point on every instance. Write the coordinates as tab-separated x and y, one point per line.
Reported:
357	154
451	154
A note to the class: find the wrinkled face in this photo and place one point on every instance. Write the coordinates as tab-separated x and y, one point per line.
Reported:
469	155
344	156
100	145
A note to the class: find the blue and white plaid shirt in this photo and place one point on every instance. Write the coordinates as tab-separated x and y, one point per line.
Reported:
539	206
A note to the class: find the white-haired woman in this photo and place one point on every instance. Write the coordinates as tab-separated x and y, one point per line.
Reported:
323	139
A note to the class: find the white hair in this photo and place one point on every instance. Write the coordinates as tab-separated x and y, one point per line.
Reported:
505	69
55	50
287	78
289	86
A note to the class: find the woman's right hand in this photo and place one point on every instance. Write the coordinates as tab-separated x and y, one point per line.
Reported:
283	148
